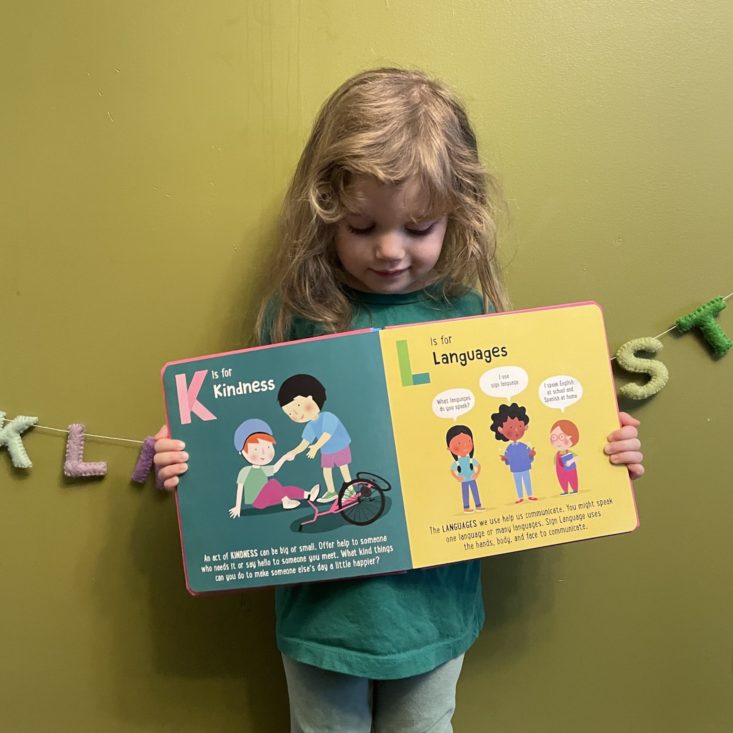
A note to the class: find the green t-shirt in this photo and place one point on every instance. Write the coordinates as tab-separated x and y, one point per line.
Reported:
254	478
389	626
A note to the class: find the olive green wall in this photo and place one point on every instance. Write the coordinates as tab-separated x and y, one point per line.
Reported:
146	147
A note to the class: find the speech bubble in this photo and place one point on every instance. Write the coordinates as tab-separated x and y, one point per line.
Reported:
452	403
504	382
561	391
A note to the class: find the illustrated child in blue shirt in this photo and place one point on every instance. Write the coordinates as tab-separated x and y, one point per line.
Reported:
465	468
510	424
301	397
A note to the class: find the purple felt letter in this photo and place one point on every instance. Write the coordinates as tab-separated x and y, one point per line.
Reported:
75	465
145	463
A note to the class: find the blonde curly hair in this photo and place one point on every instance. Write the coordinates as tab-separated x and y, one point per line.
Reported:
394	125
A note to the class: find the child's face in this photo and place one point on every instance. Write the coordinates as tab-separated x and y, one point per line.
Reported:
560	440
513	428
385	244
302	409
460	445
259	453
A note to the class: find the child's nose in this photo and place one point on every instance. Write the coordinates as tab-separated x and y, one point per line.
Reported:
390	246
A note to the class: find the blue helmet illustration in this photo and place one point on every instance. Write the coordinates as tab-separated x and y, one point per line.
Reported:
247	428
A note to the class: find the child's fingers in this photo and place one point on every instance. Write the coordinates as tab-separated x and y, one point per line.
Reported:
166	445
627	419
171	483
636	470
620	446
172	470
625	433
169	458
627	457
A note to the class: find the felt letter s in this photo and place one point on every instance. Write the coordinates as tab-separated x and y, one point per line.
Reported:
627	358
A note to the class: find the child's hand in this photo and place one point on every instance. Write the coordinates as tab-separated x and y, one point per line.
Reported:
624	447
170	458
312	451
234	512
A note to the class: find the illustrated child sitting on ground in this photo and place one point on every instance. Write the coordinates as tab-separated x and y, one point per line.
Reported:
465	468
510	424
254	440
564	434
302	397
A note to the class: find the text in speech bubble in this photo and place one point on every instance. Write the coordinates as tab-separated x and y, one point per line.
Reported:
504	382
453	403
560	392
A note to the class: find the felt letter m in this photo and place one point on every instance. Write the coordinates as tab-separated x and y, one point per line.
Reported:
188	401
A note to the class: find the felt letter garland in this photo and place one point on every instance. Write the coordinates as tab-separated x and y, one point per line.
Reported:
627	358
10	437
704	319
75	465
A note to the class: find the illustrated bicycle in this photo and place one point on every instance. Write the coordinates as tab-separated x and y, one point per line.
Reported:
361	501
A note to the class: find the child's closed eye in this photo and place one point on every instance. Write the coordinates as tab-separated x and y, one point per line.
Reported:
360	230
420	230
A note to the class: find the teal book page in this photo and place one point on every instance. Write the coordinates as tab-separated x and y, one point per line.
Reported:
255	507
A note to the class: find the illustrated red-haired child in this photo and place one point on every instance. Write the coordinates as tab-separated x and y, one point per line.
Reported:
254	440
564	434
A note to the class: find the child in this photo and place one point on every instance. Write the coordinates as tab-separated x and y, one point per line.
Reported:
465	468
254	440
302	397
389	219
510	424
564	434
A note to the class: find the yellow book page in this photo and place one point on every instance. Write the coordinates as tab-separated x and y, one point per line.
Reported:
484	466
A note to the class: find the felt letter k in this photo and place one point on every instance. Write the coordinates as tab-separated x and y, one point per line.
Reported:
10	436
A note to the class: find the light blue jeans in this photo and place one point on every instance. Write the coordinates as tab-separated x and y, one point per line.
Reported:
330	702
520	476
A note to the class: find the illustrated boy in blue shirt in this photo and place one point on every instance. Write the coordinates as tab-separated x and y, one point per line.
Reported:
510	424
302	397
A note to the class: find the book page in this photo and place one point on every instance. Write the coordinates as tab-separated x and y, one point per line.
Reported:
250	513
500	423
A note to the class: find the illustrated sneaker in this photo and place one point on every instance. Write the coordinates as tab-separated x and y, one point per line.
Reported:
290	503
329	496
313	493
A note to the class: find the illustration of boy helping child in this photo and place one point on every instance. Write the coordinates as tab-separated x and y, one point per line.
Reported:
301	398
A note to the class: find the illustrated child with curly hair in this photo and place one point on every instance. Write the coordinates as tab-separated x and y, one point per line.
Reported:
510	424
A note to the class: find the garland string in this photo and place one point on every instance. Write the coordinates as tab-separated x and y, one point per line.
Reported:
142	442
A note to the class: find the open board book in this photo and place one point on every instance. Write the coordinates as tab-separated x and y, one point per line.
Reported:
377	451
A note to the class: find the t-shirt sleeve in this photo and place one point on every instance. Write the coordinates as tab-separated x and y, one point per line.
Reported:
329	424
242	477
